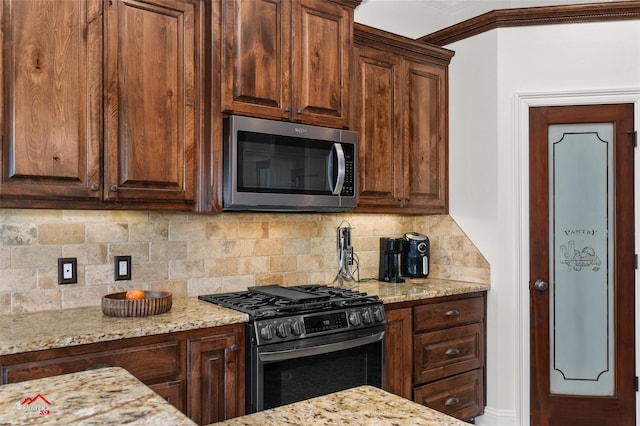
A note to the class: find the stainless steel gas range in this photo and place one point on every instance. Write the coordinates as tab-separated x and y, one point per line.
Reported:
307	341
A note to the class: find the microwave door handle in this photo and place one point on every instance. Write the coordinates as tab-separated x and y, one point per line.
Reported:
339	153
321	349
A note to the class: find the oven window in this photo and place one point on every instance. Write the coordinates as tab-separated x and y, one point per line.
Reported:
302	378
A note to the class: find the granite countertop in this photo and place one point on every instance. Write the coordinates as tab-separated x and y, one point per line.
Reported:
364	405
107	396
69	327
54	329
418	289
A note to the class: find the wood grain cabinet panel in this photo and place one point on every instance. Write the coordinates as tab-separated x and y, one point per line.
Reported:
287	60
200	372
151	100
401	118
460	396
214	378
398	353
435	353
51	99
101	103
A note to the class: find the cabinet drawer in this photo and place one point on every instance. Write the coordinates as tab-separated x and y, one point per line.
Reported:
446	314
459	396
442	353
146	362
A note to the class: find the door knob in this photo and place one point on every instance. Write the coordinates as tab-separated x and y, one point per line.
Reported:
541	285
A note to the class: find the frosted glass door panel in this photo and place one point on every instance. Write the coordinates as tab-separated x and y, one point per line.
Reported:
581	249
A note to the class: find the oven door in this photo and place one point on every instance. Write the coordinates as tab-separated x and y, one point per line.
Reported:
294	371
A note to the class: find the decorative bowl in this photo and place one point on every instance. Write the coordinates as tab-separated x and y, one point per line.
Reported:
156	302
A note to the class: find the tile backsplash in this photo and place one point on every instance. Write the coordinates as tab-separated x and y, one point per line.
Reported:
191	254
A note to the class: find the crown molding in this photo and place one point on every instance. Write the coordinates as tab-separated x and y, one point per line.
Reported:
546	15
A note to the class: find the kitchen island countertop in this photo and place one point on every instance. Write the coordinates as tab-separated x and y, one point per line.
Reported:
364	405
106	396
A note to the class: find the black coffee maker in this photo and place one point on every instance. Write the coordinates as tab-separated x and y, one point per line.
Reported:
415	255
390	251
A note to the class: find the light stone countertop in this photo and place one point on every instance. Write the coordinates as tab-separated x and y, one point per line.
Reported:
418	289
107	396
364	405
70	327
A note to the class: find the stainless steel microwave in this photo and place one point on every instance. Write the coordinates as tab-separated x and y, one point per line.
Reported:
275	165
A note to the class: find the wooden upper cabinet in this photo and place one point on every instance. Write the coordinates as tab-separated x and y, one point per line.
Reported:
100	103
425	137
255	64
287	59
379	128
402	124
51	99
151	102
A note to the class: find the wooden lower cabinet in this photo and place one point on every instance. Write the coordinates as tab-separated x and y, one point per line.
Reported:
435	353
200	372
214	371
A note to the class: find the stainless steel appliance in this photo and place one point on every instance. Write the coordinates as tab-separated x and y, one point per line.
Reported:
275	165
389	267
306	341
415	255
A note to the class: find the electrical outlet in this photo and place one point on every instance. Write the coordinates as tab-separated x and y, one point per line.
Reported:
122	268
67	270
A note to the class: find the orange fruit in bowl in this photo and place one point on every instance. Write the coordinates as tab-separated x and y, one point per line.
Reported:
135	295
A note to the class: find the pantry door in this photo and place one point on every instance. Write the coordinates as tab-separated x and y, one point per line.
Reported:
581	210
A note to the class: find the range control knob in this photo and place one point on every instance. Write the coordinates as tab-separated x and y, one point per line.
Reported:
378	314
297	328
366	316
355	318
282	330
267	332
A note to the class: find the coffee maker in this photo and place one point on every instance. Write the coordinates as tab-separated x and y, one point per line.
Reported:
390	251
415	255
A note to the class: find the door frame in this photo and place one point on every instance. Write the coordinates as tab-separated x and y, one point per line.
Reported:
522	103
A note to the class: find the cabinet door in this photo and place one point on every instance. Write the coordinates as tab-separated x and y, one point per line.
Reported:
398	359
425	137
51	92
214	379
256	56
151	100
322	44
379	130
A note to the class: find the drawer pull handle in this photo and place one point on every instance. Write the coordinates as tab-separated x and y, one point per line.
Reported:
453	400
452	351
452	313
98	366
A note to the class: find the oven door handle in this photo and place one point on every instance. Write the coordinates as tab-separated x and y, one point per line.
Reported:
320	349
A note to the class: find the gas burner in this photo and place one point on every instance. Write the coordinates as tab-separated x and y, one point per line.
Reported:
274	300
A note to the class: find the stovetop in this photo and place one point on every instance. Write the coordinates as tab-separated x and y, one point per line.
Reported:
288	314
274	301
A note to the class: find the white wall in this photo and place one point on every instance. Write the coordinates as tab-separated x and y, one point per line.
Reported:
488	74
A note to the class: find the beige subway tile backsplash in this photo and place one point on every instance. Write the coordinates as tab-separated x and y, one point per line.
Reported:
191	254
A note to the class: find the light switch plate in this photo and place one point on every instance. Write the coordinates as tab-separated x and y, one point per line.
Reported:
121	268
67	270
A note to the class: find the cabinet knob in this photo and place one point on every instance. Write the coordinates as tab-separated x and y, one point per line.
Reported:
287	108
114	188
408	199
400	199
300	111
233	347
95	187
